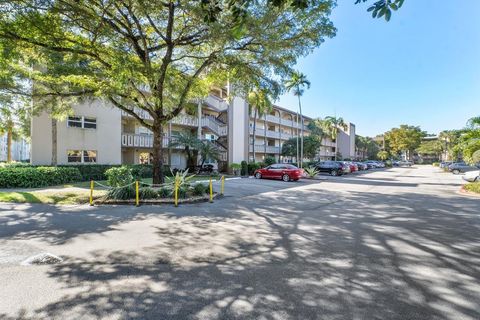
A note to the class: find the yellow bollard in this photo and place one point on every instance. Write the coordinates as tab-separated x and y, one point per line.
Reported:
223	185
176	194
91	192
211	190
137	196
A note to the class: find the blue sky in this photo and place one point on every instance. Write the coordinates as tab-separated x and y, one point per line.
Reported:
421	68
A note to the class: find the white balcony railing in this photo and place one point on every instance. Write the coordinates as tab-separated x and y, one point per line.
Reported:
216	126
265	149
143	141
216	103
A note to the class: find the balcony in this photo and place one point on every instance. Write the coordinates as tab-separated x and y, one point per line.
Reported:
265	149
185	120
142	141
216	103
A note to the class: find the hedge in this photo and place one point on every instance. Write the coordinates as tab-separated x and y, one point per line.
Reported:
35	177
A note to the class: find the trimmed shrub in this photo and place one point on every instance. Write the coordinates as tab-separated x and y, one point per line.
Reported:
244	168
199	189
270	160
119	176
98	171
36	177
253	166
147	193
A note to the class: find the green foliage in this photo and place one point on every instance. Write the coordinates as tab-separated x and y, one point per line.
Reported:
436	164
473	187
35	177
254	166
165	192
270	160
119	176
312	172
244	168
383	8
208	150
191	144
147	193
432	147
236	167
367	147
182	179
121	193
383	155
404	139
199	189
98	171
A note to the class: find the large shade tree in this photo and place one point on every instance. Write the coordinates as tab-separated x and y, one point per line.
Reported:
157	56
404	139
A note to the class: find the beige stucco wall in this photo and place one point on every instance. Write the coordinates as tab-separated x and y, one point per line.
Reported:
238	130
105	139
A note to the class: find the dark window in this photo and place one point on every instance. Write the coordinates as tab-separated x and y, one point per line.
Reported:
90	123
74	156
89	156
75	122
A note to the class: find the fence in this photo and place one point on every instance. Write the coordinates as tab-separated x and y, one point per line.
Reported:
175	186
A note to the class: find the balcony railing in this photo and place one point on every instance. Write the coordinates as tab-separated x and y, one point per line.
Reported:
216	103
143	141
265	149
216	126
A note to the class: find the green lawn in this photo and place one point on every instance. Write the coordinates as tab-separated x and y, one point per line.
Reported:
52	197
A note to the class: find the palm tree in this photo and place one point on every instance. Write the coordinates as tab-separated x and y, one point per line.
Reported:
191	145
8	126
334	123
297	82
317	129
259	101
208	150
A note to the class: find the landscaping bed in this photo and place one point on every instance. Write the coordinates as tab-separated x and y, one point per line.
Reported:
192	199
472	188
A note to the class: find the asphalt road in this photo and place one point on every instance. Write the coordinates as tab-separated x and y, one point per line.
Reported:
390	244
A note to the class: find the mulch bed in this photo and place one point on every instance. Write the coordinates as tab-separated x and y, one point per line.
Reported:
197	199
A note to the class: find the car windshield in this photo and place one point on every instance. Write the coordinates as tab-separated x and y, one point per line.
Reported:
289	166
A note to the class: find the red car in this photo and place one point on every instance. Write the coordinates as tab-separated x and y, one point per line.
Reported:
286	172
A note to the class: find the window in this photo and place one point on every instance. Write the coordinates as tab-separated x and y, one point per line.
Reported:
81	156
90	123
74	156
75	122
89	156
82	122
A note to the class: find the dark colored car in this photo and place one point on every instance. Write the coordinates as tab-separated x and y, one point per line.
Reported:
462	167
334	168
361	166
286	172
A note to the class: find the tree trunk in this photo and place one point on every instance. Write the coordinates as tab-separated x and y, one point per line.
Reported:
54	142
336	144
254	133
158	177
297	157
301	131
9	144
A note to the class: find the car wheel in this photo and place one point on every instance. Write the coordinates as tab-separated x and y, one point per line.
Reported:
258	175
286	177
477	179
334	173
456	171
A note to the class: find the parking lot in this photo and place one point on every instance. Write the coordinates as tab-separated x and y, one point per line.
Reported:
397	243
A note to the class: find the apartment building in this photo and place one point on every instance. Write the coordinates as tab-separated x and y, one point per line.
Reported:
20	149
100	133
